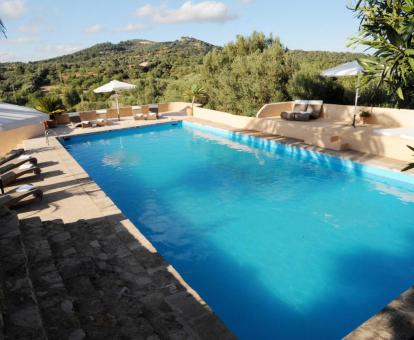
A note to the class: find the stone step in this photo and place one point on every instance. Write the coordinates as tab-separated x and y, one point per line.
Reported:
77	262
20	316
92	279
113	293
56	305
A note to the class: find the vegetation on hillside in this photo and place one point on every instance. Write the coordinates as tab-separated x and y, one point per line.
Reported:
161	71
238	78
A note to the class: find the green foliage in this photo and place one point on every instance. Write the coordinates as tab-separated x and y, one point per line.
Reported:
169	63
176	88
387	29
310	85
196	93
71	98
245	74
239	78
364	114
51	105
411	165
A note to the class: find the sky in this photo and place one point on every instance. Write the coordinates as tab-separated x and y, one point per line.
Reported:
40	29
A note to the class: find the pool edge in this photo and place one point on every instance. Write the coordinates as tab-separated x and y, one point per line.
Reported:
70	163
369	329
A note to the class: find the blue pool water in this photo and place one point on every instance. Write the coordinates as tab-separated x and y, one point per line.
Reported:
280	243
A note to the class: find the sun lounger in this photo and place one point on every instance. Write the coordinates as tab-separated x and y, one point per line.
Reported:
101	122
11	155
11	176
75	120
91	119
123	112
139	116
315	108
152	116
17	196
16	162
304	110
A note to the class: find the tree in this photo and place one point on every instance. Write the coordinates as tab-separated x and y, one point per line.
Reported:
196	93
386	27
246	74
306	84
71	98
51	105
3	28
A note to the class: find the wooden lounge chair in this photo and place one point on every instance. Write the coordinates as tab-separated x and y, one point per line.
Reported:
11	176
11	155
124	112
16	162
18	196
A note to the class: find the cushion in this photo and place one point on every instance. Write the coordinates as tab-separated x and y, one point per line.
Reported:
315	108
288	115
300	105
302	116
25	188
26	166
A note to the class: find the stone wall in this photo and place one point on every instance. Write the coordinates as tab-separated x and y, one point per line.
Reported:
173	107
386	117
238	122
9	139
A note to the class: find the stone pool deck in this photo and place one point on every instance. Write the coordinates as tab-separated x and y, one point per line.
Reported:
87	223
75	267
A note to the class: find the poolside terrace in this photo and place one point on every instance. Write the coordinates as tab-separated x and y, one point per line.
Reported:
76	207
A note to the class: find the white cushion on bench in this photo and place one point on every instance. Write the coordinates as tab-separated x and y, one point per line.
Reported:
405	133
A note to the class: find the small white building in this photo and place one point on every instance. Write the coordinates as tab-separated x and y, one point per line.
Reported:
18	123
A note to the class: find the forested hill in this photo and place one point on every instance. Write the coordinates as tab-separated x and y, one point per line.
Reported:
164	71
137	50
77	73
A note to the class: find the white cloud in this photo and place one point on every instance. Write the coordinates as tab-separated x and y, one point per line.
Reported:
22	40
146	10
94	29
7	57
12	9
132	28
35	26
205	11
30	28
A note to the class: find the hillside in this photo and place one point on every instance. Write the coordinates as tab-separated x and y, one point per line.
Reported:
81	71
162	70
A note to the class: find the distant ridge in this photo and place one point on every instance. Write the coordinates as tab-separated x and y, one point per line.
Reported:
137	46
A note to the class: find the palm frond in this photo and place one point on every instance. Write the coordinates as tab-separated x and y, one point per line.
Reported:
411	165
3	28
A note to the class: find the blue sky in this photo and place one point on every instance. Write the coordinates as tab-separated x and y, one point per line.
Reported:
38	29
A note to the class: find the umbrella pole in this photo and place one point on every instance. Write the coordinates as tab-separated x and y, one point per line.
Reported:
356	102
117	105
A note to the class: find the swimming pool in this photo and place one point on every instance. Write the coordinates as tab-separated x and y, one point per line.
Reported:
280	242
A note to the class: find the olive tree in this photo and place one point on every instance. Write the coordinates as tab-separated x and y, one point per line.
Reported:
386	29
